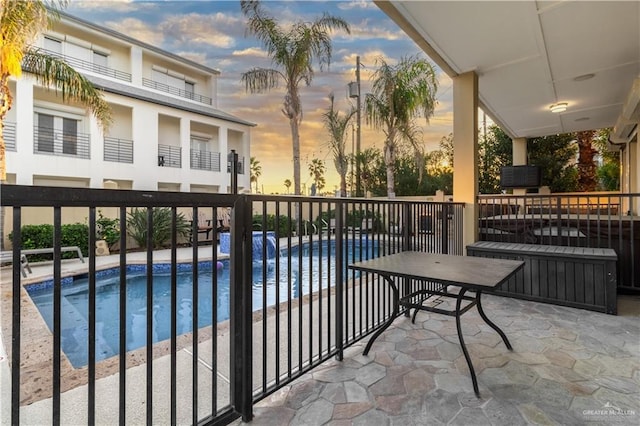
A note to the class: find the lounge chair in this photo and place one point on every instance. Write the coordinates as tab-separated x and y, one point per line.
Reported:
223	220
365	227
49	250
204	227
7	256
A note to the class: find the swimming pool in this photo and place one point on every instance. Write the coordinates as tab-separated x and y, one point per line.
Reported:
305	276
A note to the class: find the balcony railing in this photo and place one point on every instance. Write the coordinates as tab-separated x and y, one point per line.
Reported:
598	220
282	303
118	150
55	142
90	66
205	160
9	134
169	156
176	91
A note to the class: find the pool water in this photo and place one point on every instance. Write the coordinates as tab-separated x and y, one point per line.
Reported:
316	270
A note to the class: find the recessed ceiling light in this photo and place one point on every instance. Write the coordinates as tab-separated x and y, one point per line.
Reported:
584	77
582	119
559	107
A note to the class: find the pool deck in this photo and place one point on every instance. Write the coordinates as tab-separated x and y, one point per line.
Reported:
568	367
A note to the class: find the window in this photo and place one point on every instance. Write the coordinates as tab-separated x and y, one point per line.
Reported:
174	80
188	87
53	45
56	134
100	61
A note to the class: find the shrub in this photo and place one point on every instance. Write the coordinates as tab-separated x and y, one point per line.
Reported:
161	219
107	229
285	225
41	236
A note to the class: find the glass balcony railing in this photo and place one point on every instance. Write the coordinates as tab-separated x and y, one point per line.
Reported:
9	134
205	160
169	156
176	91
90	66
55	142
118	150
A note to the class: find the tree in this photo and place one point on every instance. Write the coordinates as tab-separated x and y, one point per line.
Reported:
293	51
255	170
496	151
336	125
399	94
20	23
287	184
587	179
555	154
609	172
316	171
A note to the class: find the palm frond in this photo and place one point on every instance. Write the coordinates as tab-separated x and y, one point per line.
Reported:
260	80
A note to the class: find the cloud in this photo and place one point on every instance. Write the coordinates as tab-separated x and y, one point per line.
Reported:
251	51
196	28
357	4
111	5
138	30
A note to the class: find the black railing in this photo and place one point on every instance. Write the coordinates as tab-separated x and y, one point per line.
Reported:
118	150
55	142
205	160
598	220
90	66
169	156
176	91
277	302
9	134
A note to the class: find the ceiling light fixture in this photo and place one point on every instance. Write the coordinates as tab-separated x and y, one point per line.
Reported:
559	107
584	77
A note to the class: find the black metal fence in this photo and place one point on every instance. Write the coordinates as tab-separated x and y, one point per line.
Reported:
90	66
271	301
598	220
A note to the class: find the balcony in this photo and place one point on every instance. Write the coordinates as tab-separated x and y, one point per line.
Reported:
55	142
80	64
205	160
176	91
169	156
9	134
118	150
284	335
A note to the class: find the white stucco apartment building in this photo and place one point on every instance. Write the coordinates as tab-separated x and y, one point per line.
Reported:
167	132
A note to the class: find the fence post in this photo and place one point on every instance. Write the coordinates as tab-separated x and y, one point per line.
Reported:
445	228
340	265
241	309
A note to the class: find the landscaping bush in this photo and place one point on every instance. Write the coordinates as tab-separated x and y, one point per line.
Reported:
161	219
285	225
107	229
41	236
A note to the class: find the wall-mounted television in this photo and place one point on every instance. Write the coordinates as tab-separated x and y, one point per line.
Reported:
520	177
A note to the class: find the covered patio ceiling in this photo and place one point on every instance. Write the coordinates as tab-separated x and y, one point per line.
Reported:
532	54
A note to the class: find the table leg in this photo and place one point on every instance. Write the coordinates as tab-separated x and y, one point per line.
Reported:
491	324
396	308
464	347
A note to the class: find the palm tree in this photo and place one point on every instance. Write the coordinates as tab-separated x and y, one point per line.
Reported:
255	170
20	23
316	171
400	93
587	177
337	124
287	184
293	51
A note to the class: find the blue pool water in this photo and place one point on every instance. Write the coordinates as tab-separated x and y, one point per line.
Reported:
317	269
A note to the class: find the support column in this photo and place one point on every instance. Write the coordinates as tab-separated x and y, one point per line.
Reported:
23	105
465	150
135	59
185	149
634	175
519	146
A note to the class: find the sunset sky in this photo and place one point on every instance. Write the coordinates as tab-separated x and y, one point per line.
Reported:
213	33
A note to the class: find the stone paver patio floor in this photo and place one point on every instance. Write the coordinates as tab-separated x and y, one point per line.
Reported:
568	367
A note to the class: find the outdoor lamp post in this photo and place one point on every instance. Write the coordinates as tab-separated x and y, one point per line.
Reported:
232	167
354	92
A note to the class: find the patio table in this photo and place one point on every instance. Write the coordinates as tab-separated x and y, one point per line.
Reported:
467	273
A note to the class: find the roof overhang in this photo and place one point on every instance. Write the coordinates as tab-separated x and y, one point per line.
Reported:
531	54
